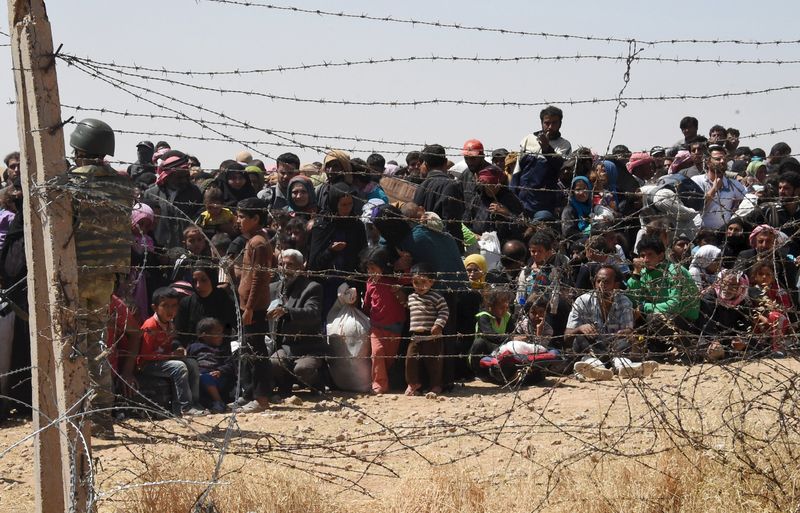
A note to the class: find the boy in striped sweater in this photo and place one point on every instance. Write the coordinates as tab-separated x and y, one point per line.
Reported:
428	316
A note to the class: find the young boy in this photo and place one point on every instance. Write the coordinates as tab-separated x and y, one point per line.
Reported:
428	315
254	297
161	356
217	370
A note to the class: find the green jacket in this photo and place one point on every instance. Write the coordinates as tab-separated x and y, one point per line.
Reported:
668	289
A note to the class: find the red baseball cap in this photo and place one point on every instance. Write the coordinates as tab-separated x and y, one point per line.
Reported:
472	148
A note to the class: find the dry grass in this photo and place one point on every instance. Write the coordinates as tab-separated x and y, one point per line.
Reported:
685	481
440	490
677	481
274	491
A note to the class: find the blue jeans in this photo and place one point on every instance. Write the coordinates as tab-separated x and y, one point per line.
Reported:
185	377
543	216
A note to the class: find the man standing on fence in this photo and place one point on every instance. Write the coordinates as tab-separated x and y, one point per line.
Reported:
101	202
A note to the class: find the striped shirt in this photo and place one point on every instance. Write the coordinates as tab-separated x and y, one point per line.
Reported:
427	310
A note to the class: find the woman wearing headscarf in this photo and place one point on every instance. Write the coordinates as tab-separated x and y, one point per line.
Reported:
469	303
576	218
301	197
756	172
726	317
683	160
234	183
705	265
494	208
143	278
337	239
206	300
418	243
604	187
337	169
770	244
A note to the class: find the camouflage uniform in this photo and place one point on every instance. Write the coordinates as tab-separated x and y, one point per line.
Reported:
101	201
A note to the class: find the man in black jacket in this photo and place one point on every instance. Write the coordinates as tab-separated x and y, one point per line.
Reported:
179	200
440	193
295	318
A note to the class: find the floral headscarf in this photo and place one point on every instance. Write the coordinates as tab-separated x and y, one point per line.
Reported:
731	300
780	237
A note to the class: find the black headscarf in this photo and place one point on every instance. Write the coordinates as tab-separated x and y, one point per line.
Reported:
230	197
393	226
328	224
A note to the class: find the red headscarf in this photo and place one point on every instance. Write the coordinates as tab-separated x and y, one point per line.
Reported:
173	161
489	175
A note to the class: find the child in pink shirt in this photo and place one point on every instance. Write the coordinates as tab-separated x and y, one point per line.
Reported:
384	303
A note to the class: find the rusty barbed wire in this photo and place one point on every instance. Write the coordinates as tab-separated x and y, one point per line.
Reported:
495	30
432	58
437	101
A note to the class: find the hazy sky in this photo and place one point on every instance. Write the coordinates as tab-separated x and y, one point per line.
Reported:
204	36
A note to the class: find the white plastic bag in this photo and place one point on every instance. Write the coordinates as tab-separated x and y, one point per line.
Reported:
348	340
490	249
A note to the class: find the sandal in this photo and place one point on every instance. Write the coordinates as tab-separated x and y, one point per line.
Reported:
412	390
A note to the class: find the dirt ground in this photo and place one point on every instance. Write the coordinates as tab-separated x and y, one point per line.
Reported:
361	449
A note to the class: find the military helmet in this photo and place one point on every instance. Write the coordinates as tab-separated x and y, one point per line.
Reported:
93	137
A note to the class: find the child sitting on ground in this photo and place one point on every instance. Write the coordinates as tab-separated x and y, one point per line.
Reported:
160	354
428	316
217	369
533	327
492	326
772	304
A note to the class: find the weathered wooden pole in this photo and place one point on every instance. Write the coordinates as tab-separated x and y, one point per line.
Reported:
60	376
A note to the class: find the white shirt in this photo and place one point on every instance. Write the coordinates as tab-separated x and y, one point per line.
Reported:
721	208
530	144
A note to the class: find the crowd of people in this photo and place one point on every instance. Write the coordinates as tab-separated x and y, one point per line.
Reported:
211	290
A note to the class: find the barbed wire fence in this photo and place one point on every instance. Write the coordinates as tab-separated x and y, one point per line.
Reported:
695	433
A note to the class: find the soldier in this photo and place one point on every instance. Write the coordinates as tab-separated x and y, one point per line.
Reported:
102	200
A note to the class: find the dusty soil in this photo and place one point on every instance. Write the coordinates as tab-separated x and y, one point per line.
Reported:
359	448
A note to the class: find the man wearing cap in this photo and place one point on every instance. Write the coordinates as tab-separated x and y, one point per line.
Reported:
499	157
288	166
144	160
440	193
659	154
475	160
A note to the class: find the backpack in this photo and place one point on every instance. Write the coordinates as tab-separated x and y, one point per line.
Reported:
690	194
